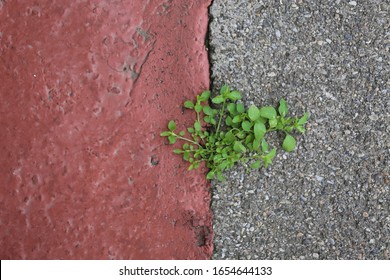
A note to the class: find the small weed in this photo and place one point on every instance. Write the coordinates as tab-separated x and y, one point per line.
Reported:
231	134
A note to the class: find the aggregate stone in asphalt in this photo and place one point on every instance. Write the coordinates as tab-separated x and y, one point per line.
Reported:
330	198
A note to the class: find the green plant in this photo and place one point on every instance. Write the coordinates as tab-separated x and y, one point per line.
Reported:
230	134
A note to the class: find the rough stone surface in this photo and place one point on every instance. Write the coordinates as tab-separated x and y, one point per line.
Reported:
330	198
85	89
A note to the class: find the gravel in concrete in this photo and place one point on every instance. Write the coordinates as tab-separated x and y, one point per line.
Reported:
330	199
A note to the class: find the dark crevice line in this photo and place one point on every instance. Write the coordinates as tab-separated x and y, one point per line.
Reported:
209	48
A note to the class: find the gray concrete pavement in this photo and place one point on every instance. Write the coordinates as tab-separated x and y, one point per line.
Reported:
330	199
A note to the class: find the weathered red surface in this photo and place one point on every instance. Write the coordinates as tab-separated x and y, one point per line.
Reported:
86	87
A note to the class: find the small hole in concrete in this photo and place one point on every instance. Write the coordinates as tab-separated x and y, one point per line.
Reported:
154	160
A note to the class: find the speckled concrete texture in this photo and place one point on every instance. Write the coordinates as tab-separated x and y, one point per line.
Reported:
85	88
330	199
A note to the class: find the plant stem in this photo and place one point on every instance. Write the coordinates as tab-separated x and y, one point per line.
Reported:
257	156
185	139
220	117
198	119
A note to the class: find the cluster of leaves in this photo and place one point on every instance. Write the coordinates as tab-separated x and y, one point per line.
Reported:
241	138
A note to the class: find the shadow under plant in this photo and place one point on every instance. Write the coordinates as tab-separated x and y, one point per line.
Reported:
330	198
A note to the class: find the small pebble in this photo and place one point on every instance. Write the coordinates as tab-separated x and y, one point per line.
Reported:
271	74
365	214
352	3
374	117
319	178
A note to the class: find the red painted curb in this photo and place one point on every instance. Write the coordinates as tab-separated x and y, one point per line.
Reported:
86	88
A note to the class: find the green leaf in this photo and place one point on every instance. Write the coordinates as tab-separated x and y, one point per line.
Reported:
182	133
264	146
268	112
224	90
280	123
206	95
231	107
190	130
238	147
273	123
303	119
289	143
259	130
249	139
198	108
246	125
288	129
234	95
210	175
207	119
300	129
241	134
236	119
229	137
223	165
220	177
261	120
185	146
208	111
283	108
256	144
229	121
256	164
218	99
196	165
172	139
240	108
197	126
271	154
186	156
253	113
217	157
268	158
189	104
165	133
177	151
172	125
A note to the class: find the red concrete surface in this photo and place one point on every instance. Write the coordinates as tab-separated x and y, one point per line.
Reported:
86	87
